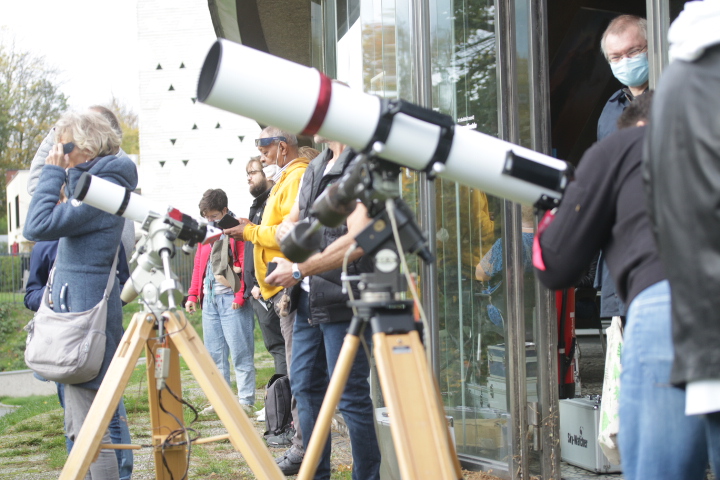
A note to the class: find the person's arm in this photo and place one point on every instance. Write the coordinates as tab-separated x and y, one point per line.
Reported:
41	261
39	160
196	282
582	224
329	259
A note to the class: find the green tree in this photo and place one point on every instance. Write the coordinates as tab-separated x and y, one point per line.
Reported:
30	104
129	123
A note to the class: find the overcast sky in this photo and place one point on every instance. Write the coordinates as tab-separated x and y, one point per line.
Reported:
93	43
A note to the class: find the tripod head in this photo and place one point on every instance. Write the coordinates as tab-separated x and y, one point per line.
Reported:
152	276
372	181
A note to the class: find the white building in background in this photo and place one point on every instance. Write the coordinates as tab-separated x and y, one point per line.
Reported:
186	147
18	203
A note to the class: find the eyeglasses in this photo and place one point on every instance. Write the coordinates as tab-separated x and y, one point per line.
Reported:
632	53
253	172
68	147
264	142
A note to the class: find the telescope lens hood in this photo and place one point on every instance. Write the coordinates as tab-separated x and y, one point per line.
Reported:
209	71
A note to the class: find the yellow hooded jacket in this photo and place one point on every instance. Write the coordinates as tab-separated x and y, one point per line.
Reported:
279	203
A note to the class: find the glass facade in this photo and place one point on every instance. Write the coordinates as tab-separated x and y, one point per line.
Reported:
488	63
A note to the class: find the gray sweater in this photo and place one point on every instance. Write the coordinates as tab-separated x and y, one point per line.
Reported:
88	241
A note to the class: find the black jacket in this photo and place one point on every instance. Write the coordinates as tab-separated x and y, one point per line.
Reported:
327	301
682	170
255	216
604	208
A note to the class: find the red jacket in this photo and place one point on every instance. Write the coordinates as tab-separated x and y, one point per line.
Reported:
202	255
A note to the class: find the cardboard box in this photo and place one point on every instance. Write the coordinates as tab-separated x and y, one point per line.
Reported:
579	426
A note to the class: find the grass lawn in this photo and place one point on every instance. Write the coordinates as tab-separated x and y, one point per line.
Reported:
32	442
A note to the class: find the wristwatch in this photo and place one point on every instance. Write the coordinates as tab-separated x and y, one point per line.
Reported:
296	272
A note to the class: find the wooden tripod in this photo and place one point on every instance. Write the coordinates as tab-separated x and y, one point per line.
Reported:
182	340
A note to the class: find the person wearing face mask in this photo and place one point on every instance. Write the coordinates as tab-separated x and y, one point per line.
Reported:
624	45
280	148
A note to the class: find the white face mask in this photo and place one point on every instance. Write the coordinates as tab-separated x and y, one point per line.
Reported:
270	171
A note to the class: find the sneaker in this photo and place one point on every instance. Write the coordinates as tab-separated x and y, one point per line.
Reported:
207	410
281	440
248	409
290	462
260	414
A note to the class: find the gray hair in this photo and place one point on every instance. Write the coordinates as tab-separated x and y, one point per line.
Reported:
276	132
620	24
89	131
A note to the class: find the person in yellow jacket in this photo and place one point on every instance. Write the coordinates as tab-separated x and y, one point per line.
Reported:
279	148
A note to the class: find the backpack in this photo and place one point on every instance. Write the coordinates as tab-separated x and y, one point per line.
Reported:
278	416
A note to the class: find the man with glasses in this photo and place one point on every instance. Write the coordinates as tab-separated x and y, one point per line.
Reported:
267	318
624	45
279	148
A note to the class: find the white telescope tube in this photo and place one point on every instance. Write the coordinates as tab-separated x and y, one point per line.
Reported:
112	198
310	103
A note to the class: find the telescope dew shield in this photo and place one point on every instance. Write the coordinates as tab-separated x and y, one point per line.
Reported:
112	198
231	79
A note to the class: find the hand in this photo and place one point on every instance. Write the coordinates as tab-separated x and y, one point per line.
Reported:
282	275
190	307
237	231
235	306
480	273
57	157
255	292
283	229
237	270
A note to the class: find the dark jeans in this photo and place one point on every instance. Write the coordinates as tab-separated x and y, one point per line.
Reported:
272	335
315	352
119	433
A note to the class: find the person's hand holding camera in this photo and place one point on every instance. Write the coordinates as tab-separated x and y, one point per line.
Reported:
237	231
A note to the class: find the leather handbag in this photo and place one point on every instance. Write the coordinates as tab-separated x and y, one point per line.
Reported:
68	347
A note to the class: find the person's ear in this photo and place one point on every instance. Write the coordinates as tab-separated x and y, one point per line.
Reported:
641	123
282	148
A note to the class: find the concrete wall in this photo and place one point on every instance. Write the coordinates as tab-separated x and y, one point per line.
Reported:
176	35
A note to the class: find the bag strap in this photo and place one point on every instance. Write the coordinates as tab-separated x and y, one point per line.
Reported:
113	274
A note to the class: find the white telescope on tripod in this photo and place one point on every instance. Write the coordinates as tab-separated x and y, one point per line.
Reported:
399	132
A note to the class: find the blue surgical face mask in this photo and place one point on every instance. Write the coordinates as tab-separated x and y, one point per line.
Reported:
633	71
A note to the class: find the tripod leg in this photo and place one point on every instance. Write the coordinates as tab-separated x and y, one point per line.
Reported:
162	422
242	433
87	445
417	424
330	402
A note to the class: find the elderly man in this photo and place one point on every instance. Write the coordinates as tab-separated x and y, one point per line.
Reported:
277	148
624	45
323	318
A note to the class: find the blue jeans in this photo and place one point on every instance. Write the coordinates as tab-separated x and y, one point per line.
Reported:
229	332
315	351
119	433
656	439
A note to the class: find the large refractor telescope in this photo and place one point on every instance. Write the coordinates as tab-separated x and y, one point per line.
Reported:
396	131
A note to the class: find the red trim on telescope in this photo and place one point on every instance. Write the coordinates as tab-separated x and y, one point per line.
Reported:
175	214
321	109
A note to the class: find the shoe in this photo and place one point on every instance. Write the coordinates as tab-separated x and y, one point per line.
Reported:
207	410
290	462
248	409
281	440
260	414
